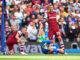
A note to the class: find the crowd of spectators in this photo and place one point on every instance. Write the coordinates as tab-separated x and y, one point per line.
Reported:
29	13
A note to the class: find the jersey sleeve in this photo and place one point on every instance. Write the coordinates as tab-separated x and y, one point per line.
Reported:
20	33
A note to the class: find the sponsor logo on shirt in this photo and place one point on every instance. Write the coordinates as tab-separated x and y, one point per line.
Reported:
52	17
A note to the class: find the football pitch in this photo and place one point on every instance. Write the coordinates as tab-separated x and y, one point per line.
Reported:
30	56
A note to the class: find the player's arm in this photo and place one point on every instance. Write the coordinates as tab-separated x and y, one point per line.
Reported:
26	35
45	18
19	40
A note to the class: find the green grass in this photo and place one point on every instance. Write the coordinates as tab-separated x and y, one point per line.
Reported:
30	56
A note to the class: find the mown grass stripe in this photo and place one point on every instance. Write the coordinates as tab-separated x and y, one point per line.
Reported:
40	57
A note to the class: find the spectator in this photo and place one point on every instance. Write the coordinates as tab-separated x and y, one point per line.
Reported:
24	22
8	2
17	1
62	11
71	1
19	18
78	38
73	18
36	5
29	8
66	2
34	1
41	34
78	21
54	1
27	18
76	31
0	12
27	1
77	4
33	17
7	28
56	8
12	5
66	8
8	12
46	3
32	32
69	14
60	4
23	5
14	22
77	13
71	31
62	27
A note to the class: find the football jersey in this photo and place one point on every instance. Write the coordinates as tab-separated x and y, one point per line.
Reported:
12	37
52	23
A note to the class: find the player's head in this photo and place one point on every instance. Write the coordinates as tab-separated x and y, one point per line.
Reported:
24	29
13	28
46	0
51	8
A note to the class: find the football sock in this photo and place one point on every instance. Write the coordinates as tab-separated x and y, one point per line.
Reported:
22	47
62	44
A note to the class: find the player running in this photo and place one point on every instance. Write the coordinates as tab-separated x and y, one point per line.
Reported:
50	17
14	38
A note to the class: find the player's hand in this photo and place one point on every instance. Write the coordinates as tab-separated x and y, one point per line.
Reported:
22	41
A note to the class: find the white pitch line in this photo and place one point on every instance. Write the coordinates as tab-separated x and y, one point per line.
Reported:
64	57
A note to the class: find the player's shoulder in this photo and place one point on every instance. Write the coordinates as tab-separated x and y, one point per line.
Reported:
47	13
19	32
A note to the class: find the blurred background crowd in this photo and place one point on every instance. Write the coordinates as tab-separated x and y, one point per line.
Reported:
29	13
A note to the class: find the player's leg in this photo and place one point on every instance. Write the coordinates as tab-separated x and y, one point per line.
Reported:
10	47
61	42
22	45
50	34
12	52
58	35
22	48
61	51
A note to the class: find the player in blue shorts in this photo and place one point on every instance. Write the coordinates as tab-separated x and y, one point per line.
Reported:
50	48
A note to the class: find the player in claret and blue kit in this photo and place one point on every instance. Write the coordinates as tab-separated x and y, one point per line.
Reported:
14	38
48	46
